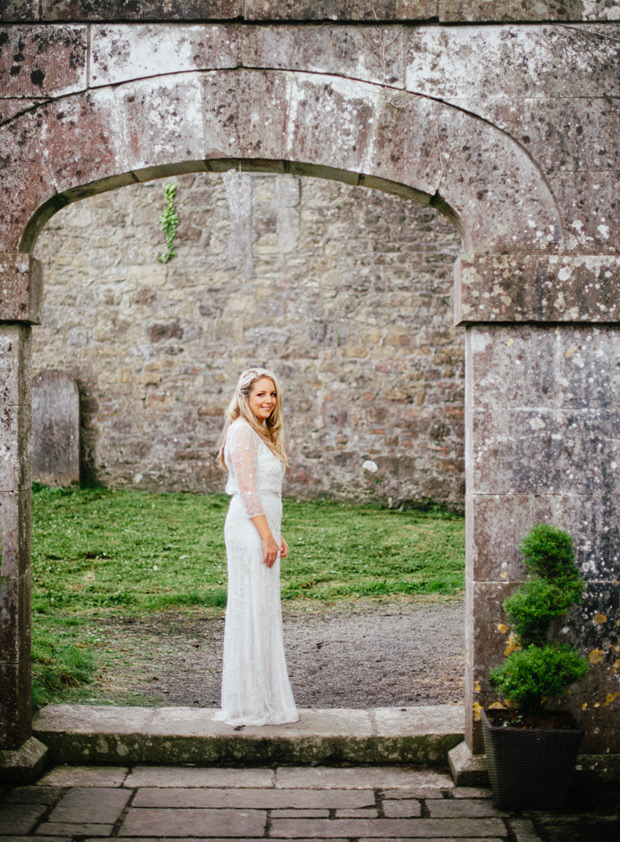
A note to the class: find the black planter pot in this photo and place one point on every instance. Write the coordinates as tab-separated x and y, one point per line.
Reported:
530	769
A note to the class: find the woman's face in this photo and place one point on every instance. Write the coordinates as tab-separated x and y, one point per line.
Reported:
263	398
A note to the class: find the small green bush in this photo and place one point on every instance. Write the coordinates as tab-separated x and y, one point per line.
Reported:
548	552
539	671
532	608
541	668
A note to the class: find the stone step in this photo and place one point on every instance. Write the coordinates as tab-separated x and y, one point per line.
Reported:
85	734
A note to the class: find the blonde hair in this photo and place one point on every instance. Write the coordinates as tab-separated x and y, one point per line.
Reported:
272	431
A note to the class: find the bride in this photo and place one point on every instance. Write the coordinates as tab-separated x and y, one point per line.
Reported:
255	684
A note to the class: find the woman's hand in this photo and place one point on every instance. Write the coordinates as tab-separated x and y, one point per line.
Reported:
270	550
283	548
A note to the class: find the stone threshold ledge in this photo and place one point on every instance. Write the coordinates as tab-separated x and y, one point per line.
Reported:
85	734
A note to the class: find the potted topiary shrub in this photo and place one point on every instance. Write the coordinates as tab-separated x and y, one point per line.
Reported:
530	750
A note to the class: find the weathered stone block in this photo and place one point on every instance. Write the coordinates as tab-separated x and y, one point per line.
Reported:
15	701
24	765
546	451
83	733
595	704
536	288
487	643
21	195
20	10
15	532
38	61
386	828
21	292
406	144
15	448
99	805
260	798
524	10
486	176
566	367
55	429
162	121
590	206
59	10
15	361
576	134
500	522
329	10
121	53
82	138
372	54
340	109
183	735
15	594
468	771
182	822
447	808
245	114
537	63
202	777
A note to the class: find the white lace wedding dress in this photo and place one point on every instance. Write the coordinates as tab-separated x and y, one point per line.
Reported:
255	684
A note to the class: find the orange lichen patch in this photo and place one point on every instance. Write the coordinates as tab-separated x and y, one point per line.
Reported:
611	697
600	619
597	704
596	656
510	342
477	687
584	706
503	628
477	711
616	665
497	706
512	645
570	352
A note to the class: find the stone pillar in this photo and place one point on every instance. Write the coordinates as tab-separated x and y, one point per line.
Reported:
20	294
543	445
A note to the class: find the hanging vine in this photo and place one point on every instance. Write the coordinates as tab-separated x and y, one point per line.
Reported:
169	222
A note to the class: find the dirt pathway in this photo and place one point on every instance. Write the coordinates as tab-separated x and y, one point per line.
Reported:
362	657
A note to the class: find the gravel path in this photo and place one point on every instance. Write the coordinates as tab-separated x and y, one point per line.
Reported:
337	657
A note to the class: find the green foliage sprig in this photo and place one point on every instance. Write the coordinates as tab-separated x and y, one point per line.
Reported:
541	668
169	222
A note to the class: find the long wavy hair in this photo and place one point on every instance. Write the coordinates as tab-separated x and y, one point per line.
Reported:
272	430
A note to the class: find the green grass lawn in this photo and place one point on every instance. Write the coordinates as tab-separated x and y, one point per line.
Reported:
97	552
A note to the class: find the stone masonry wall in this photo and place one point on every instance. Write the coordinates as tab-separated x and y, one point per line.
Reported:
345	292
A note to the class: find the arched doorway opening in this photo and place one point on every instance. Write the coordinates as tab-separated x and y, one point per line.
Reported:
353	308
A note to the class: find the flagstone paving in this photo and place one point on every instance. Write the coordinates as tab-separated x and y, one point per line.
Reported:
176	804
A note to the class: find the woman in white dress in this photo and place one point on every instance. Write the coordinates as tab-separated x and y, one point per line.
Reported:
255	684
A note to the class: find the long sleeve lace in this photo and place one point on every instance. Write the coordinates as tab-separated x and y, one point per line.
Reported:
241	460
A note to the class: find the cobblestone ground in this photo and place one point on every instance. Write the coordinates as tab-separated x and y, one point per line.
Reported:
149	803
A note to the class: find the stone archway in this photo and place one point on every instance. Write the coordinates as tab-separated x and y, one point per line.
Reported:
515	290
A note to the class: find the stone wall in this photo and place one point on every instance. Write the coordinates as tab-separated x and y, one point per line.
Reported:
443	11
345	292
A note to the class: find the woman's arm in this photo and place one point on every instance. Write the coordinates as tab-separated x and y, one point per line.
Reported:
270	546
243	449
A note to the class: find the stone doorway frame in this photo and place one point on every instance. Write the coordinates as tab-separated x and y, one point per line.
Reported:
513	276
